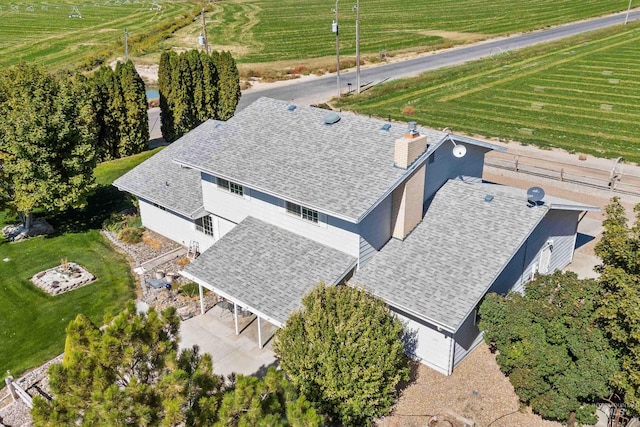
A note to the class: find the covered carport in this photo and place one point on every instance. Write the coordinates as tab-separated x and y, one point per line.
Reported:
266	270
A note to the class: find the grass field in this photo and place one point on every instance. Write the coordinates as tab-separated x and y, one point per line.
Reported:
267	31
264	30
582	95
32	324
41	30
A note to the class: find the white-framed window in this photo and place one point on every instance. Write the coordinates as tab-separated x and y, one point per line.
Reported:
205	225
302	212
232	187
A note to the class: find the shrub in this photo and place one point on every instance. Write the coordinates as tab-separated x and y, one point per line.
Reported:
183	261
344	353
408	110
190	289
115	222
131	235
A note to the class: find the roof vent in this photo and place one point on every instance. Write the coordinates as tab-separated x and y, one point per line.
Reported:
412	131
331	118
488	197
386	127
292	107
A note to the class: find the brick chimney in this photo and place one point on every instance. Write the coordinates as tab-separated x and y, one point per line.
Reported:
408	197
409	148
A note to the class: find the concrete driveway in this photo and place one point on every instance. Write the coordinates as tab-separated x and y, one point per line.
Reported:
214	332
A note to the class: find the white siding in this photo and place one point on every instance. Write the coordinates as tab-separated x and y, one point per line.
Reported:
466	339
559	226
445	166
330	231
433	348
172	225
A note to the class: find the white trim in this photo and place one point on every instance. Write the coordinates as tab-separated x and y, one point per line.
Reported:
229	297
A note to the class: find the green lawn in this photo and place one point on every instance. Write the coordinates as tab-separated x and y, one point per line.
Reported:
582	95
266	31
32	324
41	31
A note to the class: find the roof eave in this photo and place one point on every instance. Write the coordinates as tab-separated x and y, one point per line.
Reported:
580	208
191	215
271	193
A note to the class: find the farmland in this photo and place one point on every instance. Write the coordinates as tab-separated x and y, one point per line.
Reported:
42	31
267	31
264	31
581	94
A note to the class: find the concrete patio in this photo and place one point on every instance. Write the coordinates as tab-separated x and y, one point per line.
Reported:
214	332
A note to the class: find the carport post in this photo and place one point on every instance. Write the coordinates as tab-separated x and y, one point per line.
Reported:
235	317
259	333
201	299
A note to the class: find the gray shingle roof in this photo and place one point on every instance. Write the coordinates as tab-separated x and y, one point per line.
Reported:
149	180
445	266
340	169
267	268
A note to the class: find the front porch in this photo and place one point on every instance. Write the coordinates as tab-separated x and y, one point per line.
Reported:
215	333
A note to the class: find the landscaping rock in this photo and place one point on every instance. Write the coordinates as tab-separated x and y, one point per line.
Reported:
17	232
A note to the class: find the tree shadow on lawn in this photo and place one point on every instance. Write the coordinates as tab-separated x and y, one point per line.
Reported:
100	205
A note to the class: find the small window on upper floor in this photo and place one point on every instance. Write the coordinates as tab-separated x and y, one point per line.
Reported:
230	186
302	212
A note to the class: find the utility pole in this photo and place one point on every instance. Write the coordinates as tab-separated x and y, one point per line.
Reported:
357	8
126	45
626	18
335	29
204	33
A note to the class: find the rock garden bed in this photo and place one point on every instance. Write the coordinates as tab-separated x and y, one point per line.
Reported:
63	278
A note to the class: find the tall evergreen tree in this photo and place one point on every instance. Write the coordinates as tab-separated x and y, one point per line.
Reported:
134	131
195	87
47	128
165	85
229	86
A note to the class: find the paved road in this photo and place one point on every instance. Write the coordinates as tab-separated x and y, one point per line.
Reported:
322	89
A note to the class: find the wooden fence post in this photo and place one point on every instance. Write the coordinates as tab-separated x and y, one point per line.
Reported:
12	390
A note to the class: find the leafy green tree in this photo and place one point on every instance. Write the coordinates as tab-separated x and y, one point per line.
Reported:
47	129
271	401
127	373
619	250
344	353
557	358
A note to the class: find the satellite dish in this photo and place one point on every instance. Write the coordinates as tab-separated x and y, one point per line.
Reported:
535	194
459	150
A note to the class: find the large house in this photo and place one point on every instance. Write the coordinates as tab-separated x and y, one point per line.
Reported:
281	197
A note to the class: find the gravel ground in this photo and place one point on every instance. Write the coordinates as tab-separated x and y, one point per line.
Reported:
476	391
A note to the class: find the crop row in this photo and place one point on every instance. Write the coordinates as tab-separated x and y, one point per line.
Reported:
570	94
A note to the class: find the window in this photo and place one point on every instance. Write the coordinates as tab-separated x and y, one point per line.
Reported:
230	186
302	212
205	225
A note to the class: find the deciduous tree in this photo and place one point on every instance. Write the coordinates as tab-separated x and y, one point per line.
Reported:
550	345
47	128
619	250
343	352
